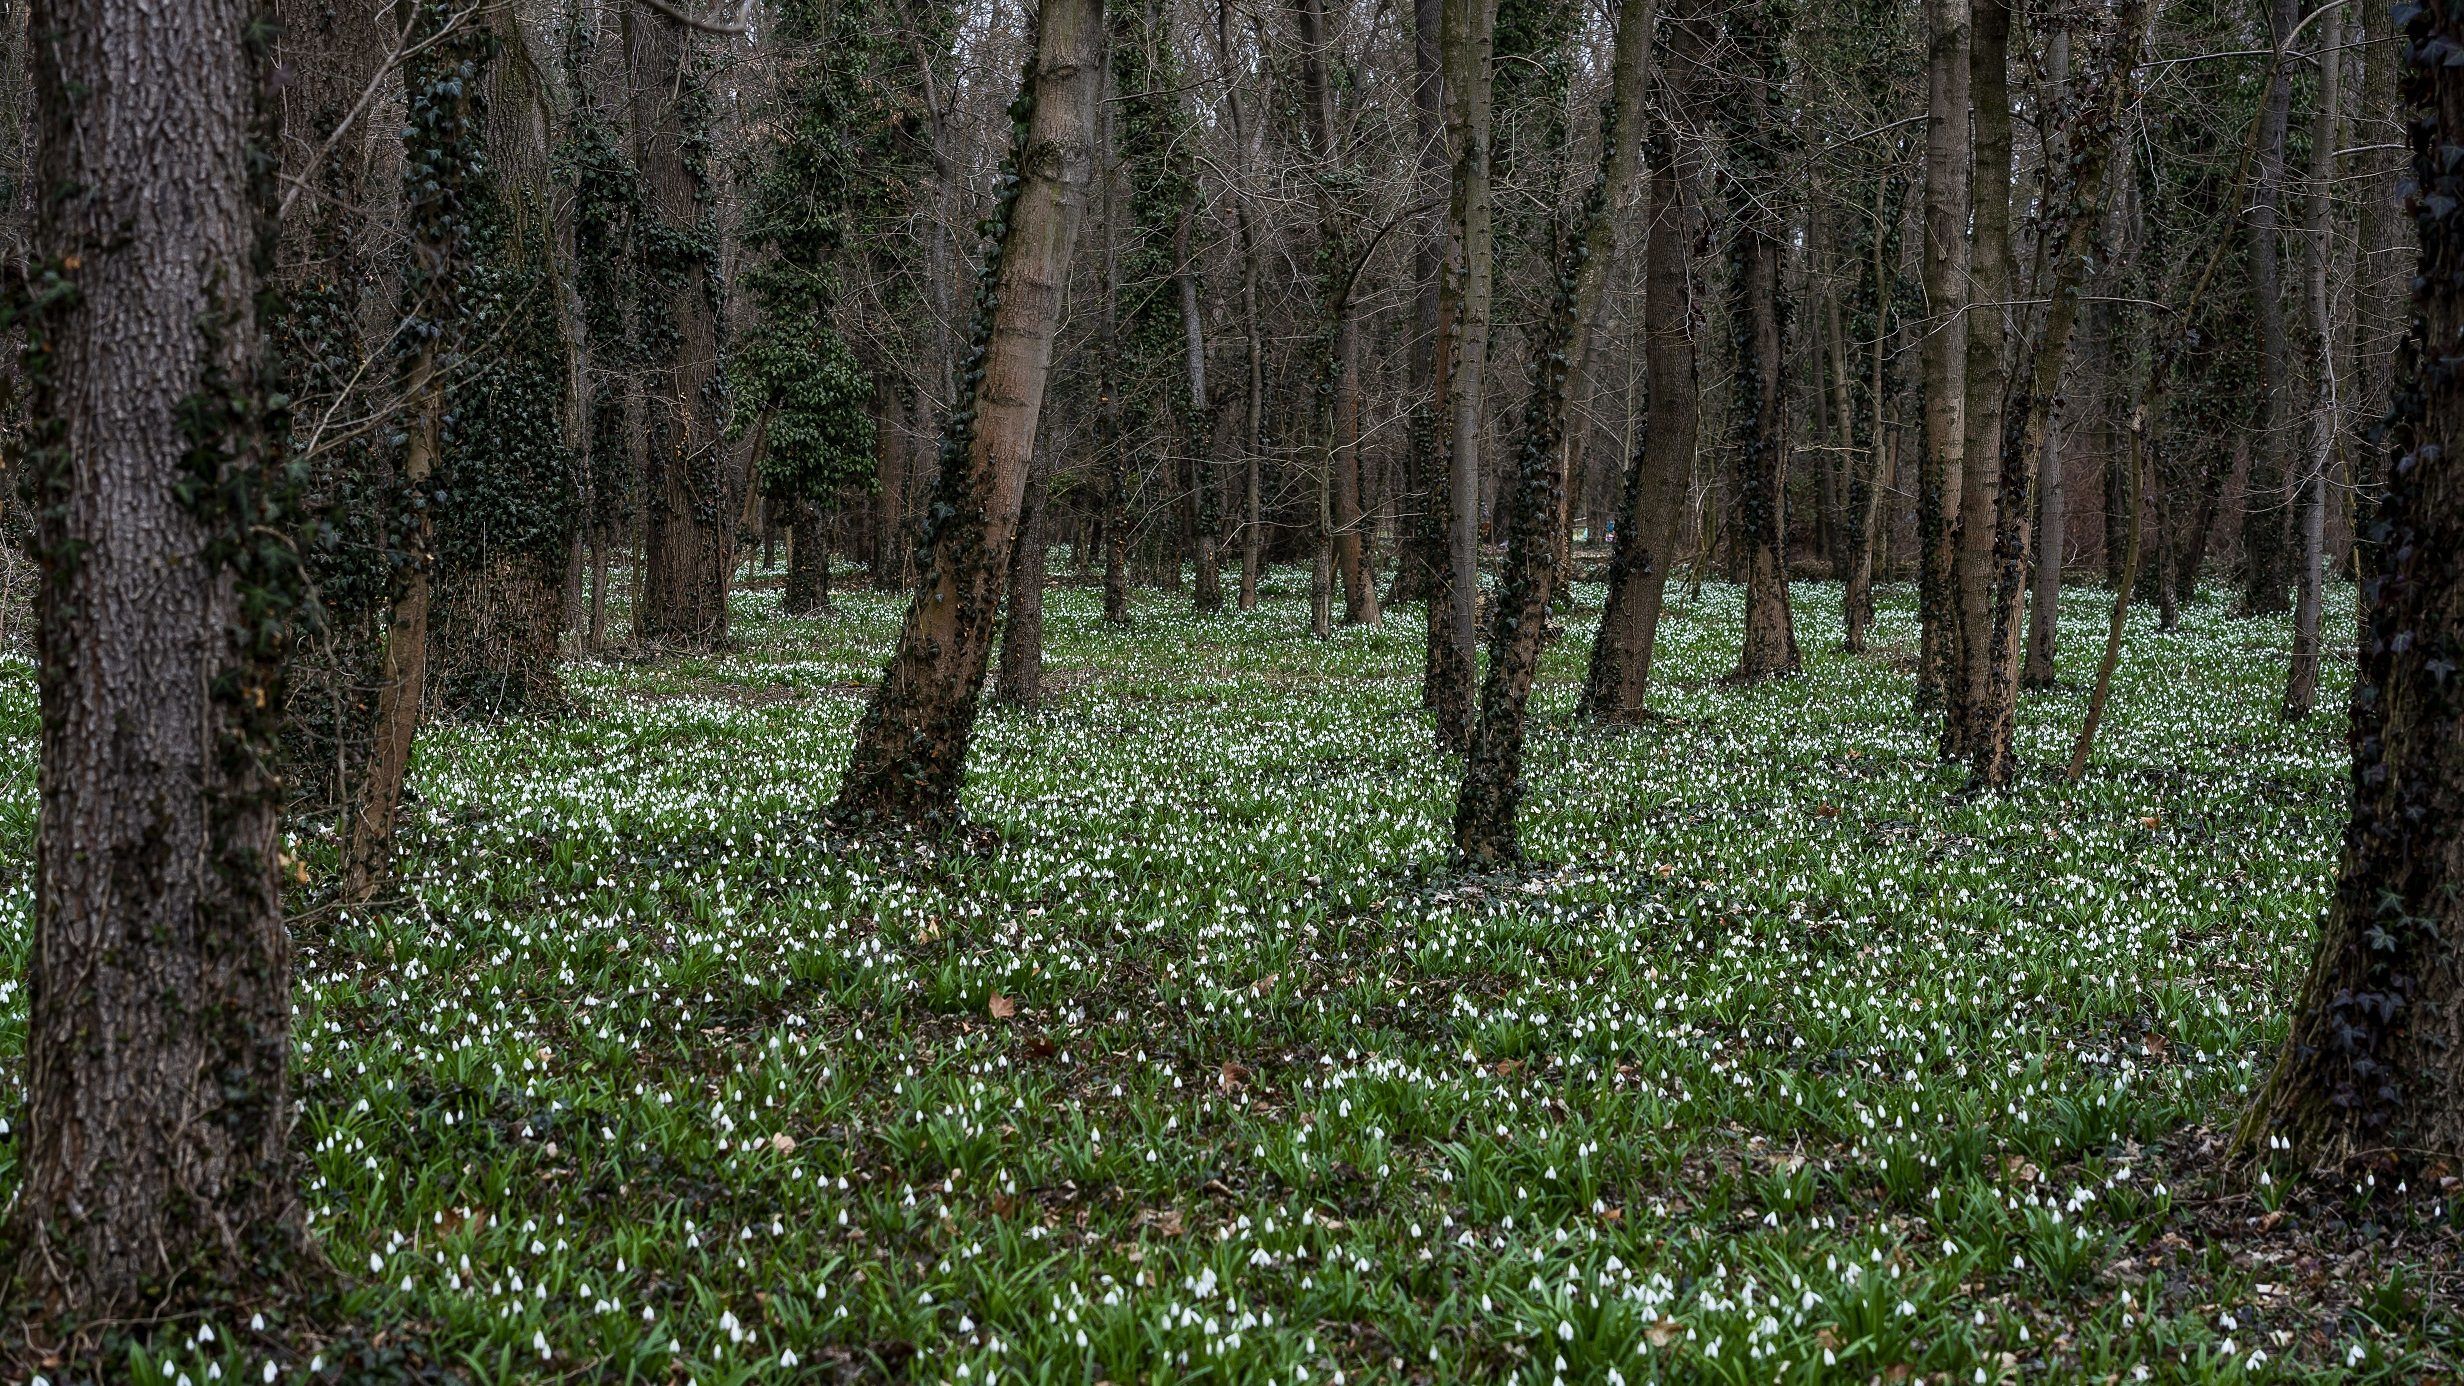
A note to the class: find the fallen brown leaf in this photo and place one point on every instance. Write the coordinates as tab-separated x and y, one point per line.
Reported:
1001	1007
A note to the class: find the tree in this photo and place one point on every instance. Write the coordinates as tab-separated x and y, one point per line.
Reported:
2266	535
2374	1065
910	748
1467	37
1987	371
1338	274
441	168
689	484
154	1165
1760	32
2072	209
1943	353
1655	481
1484	815
506	456
2301	686
799	392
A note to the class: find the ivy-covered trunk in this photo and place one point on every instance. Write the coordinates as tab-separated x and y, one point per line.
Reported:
1655	481
2374	1067
1492	790
910	750
689	479
1761	480
152	1172
440	168
506	459
1943	348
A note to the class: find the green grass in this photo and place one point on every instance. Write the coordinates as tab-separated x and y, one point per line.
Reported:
1789	1063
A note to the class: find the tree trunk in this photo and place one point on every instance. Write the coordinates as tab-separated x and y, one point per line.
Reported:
1873	480
1988	369
1422	533
1942	353
2301	687
2385	235
2072	210
808	560
2374	1067
597	639
153	1177
2125	586
689	500
2045	603
1469	38
1655	482
440	154
1198	436
1021	679
910	749
1761	399
2266	531
1484	815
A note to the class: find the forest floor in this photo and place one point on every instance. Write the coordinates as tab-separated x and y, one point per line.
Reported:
1195	1061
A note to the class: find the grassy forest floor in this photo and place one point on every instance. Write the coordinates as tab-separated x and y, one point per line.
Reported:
1196	1062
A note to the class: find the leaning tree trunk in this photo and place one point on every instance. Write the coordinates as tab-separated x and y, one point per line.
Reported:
689	532
1468	34
2301	685
1655	483
1988	371
1942	352
2374	1067
1484	813
440	161
911	747
152	1176
2074	205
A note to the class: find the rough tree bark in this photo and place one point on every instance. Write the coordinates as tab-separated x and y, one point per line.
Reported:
1655	482
1942	354
1484	814
1988	369
2374	1066
689	500
808	559
910	749
152	1169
